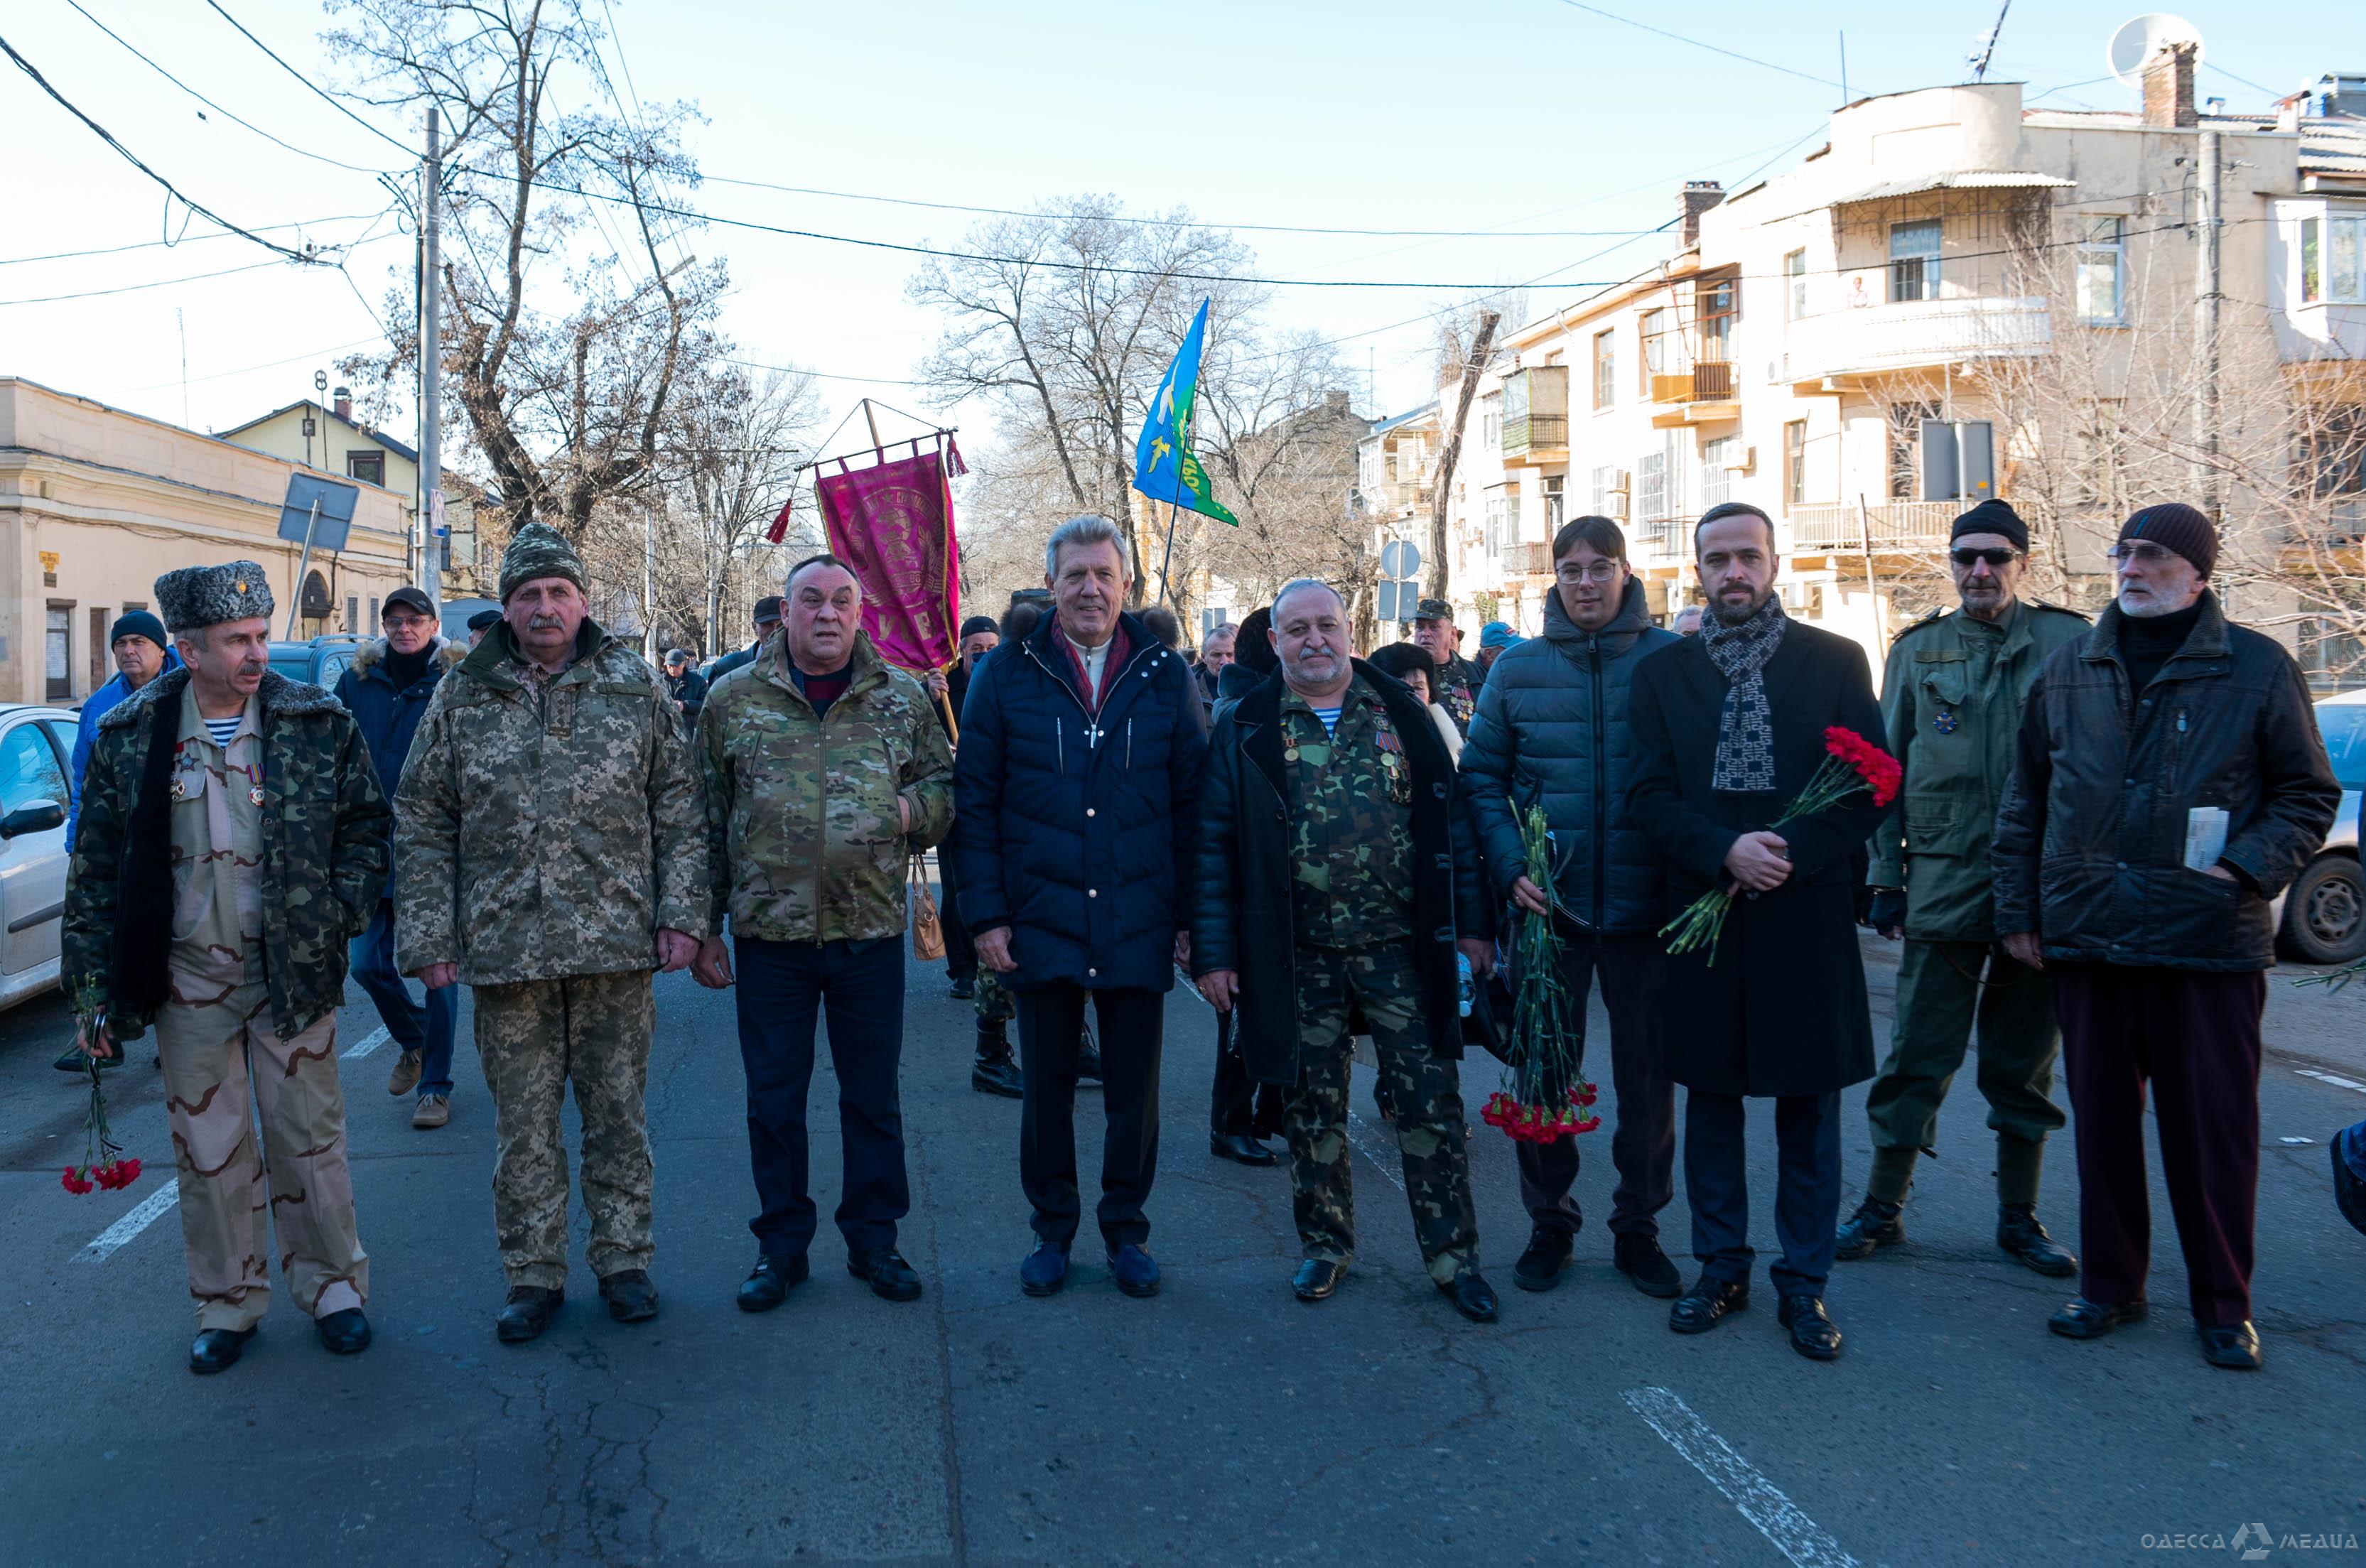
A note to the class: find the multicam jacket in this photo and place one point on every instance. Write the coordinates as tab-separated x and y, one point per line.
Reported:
1351	822
548	828
802	835
325	824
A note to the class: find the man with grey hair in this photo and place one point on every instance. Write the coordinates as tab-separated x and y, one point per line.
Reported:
1076	790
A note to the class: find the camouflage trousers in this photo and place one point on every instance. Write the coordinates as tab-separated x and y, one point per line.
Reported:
1424	1092
995	1002
223	1063
536	1037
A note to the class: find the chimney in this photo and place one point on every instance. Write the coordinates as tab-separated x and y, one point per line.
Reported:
2168	87
1335	402
345	396
1698	196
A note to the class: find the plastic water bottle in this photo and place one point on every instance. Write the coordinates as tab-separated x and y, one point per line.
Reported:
1466	984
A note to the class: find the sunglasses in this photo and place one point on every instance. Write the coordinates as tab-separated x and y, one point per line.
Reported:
1994	557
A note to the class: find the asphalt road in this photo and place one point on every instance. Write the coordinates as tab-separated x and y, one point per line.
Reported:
1221	1422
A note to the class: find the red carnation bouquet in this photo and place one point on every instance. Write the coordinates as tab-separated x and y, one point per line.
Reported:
103	1166
1851	764
1544	1098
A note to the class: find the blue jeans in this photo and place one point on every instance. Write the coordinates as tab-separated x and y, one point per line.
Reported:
427	1029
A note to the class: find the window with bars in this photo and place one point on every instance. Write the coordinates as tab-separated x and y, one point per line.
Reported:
2101	280
2333	259
1914	261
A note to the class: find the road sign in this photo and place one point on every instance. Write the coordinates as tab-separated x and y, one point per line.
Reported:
326	528
1400	559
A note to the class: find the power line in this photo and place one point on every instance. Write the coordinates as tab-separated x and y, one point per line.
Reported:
299	151
108	137
1696	44
175	245
135	287
325	97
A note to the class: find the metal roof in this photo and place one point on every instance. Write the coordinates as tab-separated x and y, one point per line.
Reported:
1959	180
1384	426
406	453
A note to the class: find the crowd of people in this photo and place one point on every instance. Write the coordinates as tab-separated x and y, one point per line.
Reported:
2092	822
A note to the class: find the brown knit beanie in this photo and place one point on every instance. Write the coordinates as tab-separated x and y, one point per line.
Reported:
2173	526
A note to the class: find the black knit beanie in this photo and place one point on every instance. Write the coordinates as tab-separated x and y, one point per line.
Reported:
2173	526
1992	518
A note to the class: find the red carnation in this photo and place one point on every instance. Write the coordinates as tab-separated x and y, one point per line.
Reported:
75	1183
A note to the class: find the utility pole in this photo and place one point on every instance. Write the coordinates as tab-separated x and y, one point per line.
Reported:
2205	327
1435	580
430	369
648	583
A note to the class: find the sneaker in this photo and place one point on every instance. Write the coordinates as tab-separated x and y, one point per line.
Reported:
1540	1266
1639	1257
432	1111
405	1076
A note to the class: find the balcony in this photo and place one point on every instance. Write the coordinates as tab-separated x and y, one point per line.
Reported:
1698	395
1895	527
1919	334
1527	560
1536	415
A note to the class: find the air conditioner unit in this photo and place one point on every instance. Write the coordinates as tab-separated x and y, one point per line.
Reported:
1746	463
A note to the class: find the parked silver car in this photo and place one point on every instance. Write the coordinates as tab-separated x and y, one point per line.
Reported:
35	749
2324	910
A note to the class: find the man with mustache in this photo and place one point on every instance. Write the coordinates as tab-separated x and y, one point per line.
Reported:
553	843
1457	687
1336	871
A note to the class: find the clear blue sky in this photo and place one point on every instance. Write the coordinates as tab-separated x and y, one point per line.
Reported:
1523	114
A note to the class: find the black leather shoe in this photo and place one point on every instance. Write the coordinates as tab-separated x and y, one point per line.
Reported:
995	1073
1812	1334
964	989
1640	1259
217	1350
2020	1234
2234	1346
1472	1296
1317	1278
2083	1319
343	1333
1540	1266
1875	1224
631	1295
529	1310
768	1283
890	1277
1706	1304
1088	1060
1240	1148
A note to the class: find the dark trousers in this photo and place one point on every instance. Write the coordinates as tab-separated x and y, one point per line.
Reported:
427	1030
782	987
1050	1023
1643	1142
1240	1105
1807	1187
961	948
2196	1037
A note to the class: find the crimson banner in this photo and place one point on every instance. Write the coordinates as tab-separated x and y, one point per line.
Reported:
893	525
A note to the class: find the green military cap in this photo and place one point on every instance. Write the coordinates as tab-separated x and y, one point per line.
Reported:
196	596
1433	609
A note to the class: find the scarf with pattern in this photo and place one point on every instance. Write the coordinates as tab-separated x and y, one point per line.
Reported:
1745	736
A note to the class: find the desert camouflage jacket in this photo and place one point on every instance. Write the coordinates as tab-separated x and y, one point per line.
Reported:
546	835
802	842
326	825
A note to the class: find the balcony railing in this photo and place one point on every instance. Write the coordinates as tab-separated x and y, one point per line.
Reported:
1535	410
1535	433
1527	560
1915	335
1893	527
1710	381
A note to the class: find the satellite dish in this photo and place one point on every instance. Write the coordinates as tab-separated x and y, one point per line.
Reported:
2141	37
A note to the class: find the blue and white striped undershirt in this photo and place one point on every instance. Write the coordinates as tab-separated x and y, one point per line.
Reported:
221	729
1330	717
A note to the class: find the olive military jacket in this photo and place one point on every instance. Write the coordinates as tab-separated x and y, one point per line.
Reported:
1351	822
1951	705
542	837
802	826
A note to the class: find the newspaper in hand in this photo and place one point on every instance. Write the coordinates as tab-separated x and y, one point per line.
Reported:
2205	836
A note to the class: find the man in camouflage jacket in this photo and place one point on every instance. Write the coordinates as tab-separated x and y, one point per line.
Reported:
826	772
234	839
554	853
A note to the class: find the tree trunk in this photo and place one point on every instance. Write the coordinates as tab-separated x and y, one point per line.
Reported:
1434	582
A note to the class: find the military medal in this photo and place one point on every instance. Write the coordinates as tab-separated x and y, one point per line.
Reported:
253	786
254	796
1945	721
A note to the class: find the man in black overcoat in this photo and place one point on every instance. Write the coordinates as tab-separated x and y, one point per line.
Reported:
1728	728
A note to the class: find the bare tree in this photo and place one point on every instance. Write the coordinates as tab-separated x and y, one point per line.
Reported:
732	446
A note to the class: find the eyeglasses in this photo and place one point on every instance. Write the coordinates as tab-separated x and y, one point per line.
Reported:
1597	571
1994	557
2140	553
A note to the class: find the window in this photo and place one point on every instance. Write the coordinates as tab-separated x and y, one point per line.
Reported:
352	613
2102	271
1905	426
373	626
1795	463
2334	451
1491	424
1716	478
2333	259
1720	306
1605	369
59	661
2100	454
1609	495
1653	328
367	466
1914	261
1652	487
1795	282
1556	506
1502	522
28	770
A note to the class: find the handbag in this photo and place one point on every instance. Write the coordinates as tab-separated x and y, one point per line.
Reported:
927	927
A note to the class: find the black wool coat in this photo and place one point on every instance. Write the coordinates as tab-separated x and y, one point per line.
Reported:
1240	896
1783	1008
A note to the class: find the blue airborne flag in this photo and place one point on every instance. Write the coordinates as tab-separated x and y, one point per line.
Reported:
1164	466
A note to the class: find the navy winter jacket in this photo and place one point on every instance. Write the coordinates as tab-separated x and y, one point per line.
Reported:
389	718
1551	727
1075	829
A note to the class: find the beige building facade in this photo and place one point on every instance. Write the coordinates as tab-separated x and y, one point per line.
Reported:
96	504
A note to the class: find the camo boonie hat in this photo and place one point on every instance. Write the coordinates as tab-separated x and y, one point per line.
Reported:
194	597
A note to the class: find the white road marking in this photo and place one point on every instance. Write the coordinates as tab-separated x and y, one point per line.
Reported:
132	1223
1778	1518
367	1043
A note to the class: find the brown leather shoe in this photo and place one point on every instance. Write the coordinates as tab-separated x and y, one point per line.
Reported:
405	1076
432	1111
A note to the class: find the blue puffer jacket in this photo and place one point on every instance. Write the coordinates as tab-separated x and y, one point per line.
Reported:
1072	830
389	718
98	706
1552	726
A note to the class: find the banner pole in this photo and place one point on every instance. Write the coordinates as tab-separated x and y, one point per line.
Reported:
1169	555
